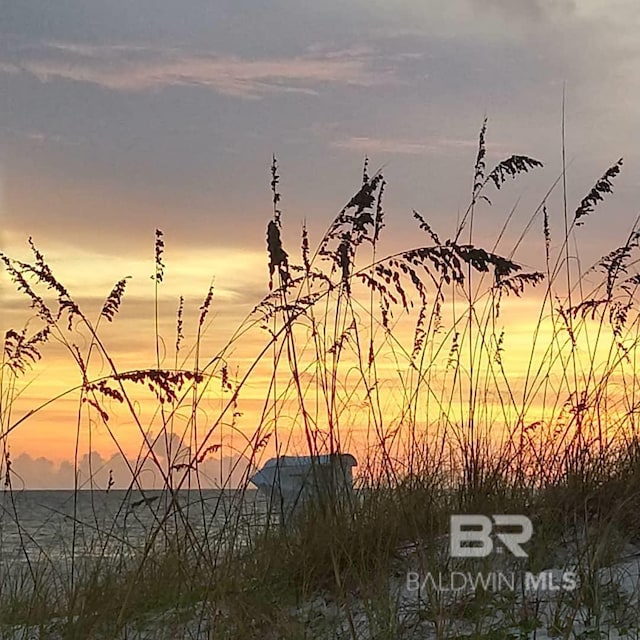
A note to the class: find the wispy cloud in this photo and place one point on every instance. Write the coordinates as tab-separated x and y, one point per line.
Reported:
365	144
529	9
130	68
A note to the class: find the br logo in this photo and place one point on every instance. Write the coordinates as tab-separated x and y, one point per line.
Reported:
470	535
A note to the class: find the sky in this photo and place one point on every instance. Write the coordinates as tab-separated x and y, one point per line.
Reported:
119	118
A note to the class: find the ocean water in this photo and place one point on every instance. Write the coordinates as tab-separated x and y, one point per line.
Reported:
58	526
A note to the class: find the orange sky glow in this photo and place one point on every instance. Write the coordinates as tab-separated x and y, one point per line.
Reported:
168	117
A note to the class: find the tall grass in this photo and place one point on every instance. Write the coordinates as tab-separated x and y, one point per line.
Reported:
402	359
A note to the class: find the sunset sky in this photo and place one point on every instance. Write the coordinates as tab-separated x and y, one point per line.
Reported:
122	117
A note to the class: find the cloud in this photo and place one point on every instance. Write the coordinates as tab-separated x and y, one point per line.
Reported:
529	9
132	68
94	471
365	144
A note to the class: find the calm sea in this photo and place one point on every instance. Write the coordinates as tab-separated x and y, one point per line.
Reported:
57	526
